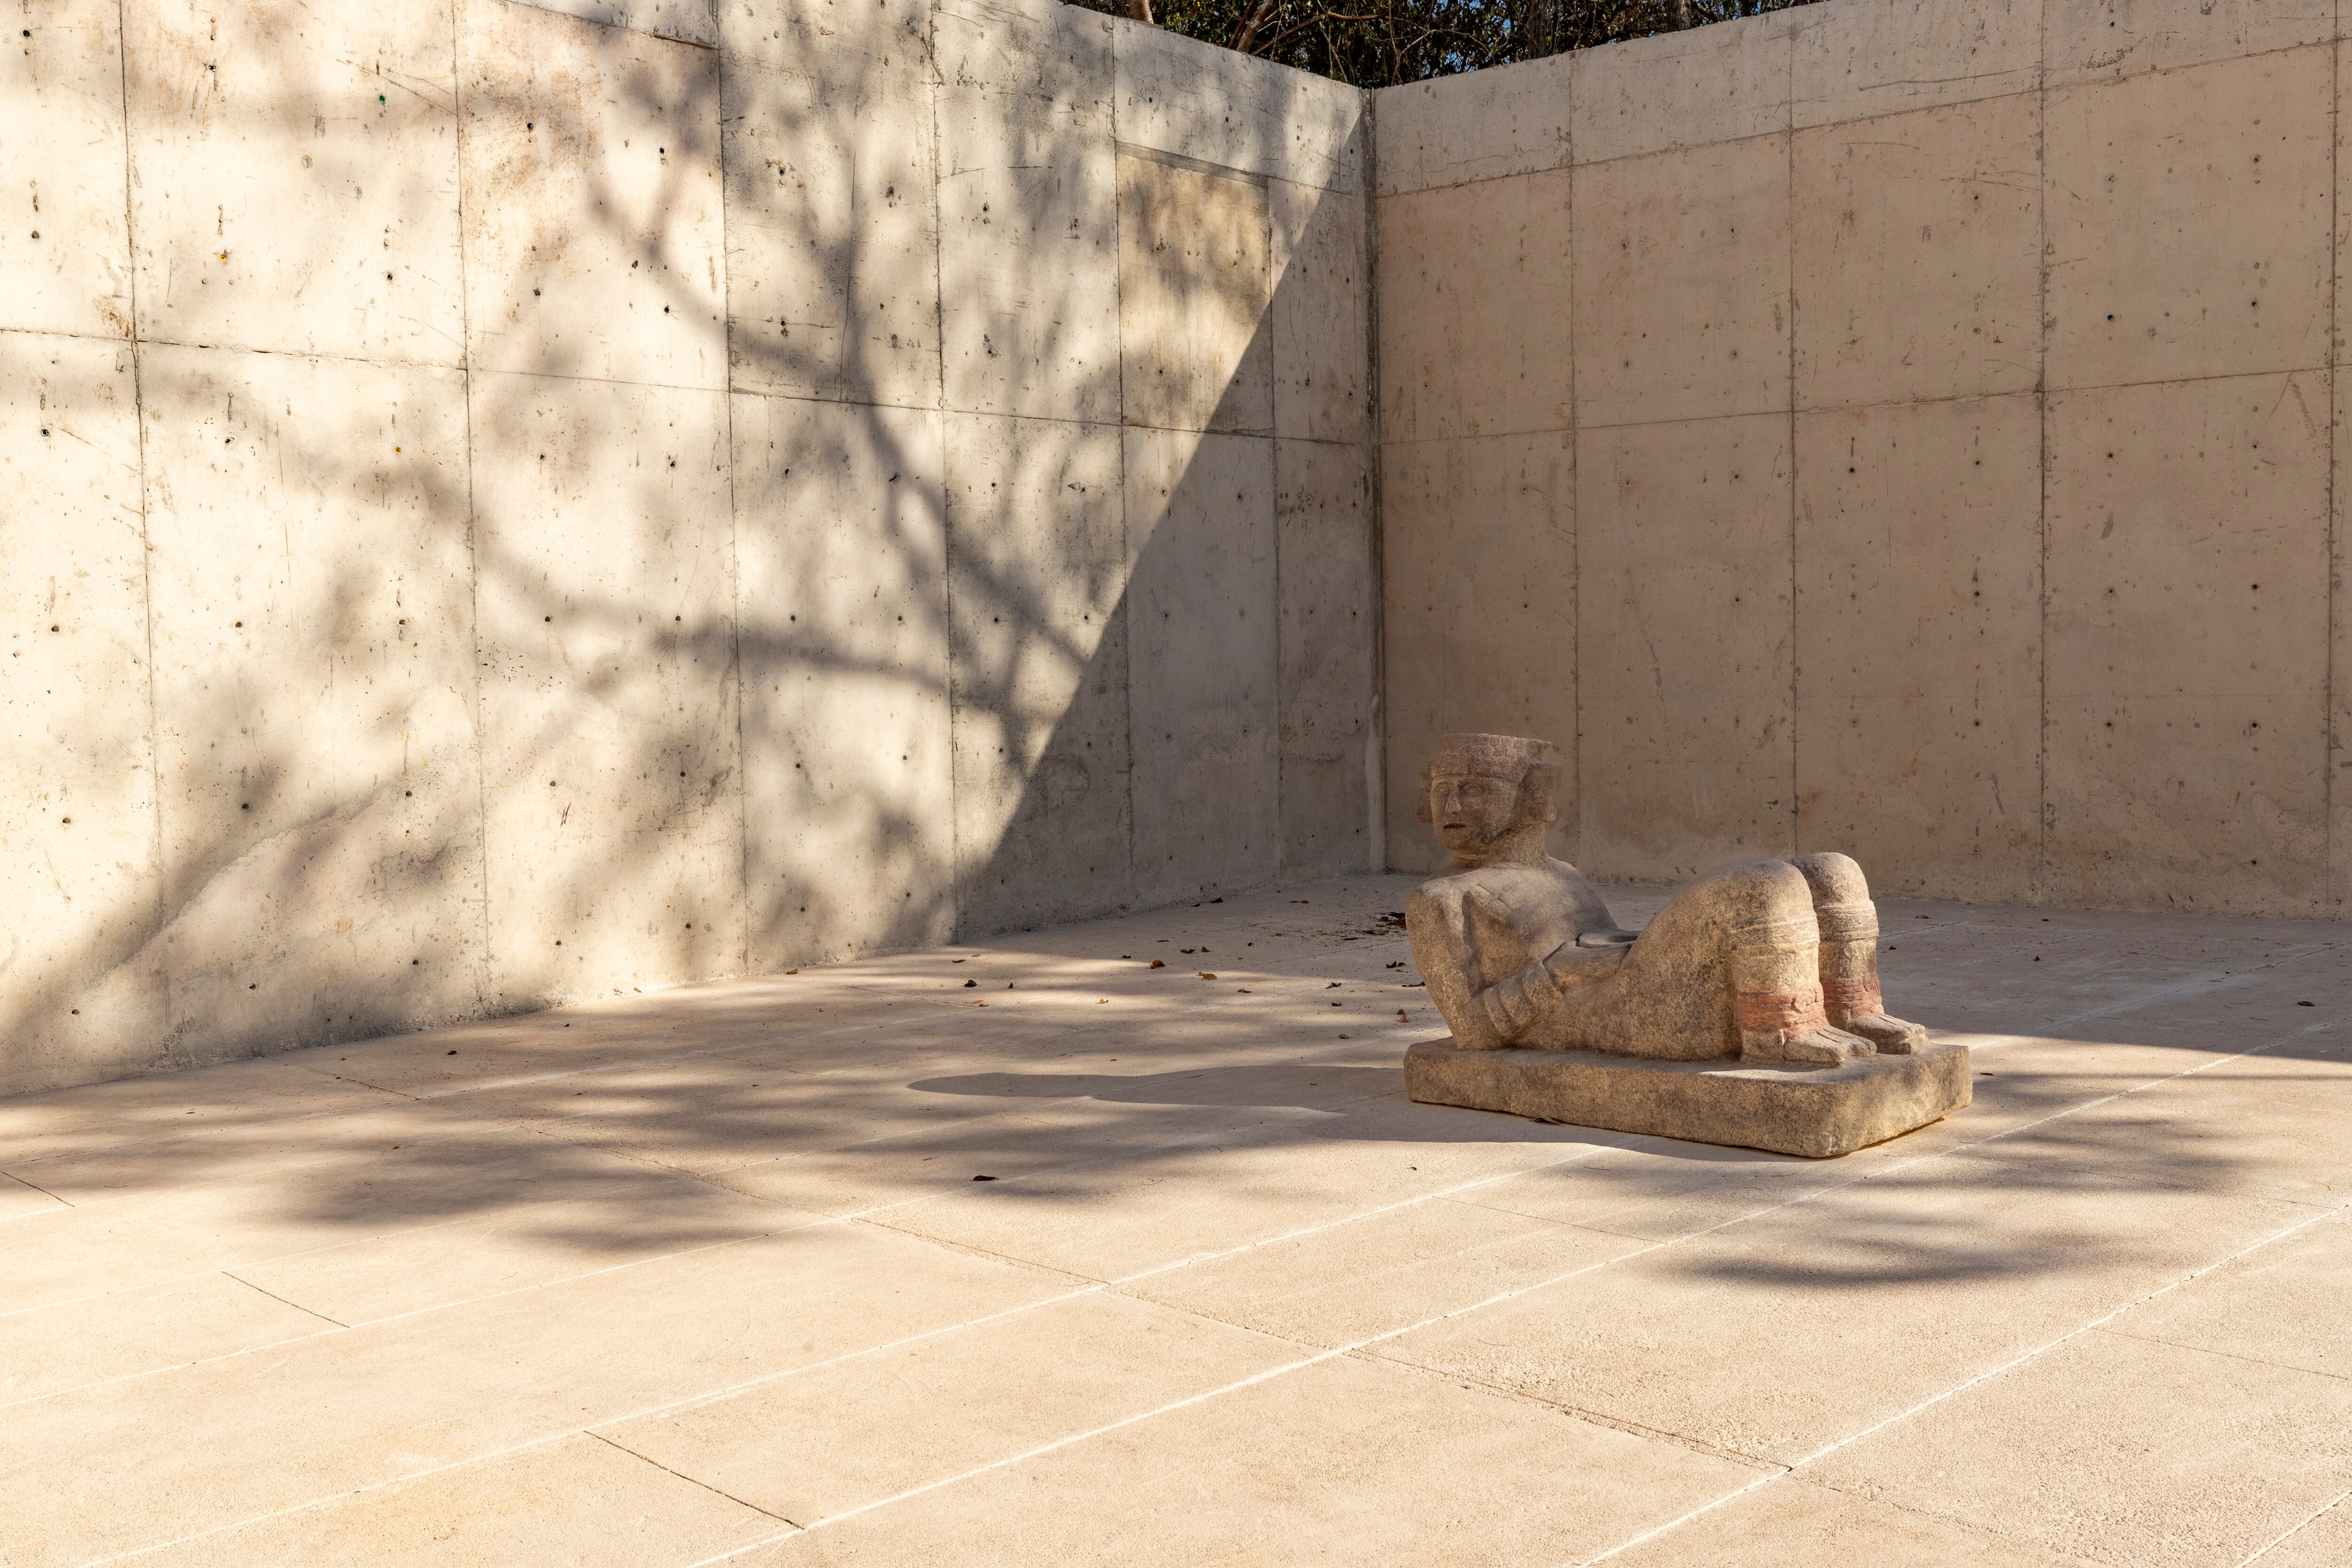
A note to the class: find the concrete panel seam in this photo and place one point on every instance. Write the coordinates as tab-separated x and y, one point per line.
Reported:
146	542
1477	180
957	852
1748	413
116	339
1255	433
1194	165
1953	399
1631	157
1796	643
816	400
2095	82
377	361
1054	419
1400	442
735	565
1376	761
2332	848
155	341
1575	738
1879	403
617	26
591	380
2072	388
2038	887
1866	120
484	980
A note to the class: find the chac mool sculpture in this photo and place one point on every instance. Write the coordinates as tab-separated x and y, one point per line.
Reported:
1748	1012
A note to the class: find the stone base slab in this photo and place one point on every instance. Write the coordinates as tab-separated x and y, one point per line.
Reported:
1818	1112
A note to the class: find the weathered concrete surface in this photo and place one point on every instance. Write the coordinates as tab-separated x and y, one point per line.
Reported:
1322	265
1028	202
1195	284
1818	1115
611	269
598	494
1182	96
1681	303
842	626
1491	633
1452	363
341	237
1946	252
65	252
611	763
833	259
319	809
1455	130
1918	616
1860	58
1207	731
2180	741
1329	679
692	20
1037	561
1917	256
1221	1251
79	875
1696	89
2241	214
1683	658
2109	40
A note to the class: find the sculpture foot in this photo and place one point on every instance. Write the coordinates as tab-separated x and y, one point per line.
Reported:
1893	1037
1816	1048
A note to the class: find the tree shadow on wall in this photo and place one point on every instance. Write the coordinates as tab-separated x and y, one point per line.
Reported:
627	649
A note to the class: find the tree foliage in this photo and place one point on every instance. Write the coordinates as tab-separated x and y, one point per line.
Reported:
1380	43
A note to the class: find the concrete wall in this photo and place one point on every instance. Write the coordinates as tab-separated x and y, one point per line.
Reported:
1904	428
507	503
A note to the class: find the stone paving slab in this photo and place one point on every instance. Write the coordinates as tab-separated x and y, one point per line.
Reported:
711	1274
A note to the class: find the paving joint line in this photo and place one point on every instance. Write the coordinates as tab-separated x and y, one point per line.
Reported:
689	1481
856	1214
2300	1526
2238	1355
1596	1417
711	1397
311	1311
43	1191
1500	1296
1963	1386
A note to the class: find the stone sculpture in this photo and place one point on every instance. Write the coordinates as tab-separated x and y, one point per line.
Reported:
1747	1012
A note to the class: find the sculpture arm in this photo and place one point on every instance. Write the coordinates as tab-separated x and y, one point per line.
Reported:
1513	1005
1487	1017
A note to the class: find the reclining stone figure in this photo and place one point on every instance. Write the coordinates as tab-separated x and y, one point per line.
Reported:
1765	961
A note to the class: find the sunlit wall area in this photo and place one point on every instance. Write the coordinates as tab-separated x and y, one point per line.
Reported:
508	503
1907	429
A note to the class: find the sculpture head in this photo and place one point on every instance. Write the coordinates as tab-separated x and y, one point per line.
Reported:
1490	796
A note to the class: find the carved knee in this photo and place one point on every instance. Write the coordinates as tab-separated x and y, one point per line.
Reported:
1833	879
1767	921
1848	923
1751	890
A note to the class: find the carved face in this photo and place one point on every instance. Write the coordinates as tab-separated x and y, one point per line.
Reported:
1473	811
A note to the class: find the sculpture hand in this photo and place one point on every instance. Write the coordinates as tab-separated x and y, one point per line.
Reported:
1572	964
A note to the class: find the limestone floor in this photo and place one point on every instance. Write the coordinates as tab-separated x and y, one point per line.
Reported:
1025	1252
